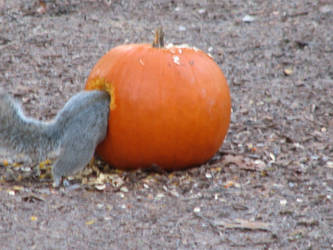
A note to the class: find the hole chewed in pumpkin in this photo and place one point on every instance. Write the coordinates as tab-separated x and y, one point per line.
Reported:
101	84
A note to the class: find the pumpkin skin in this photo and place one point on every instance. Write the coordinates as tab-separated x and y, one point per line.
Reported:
169	107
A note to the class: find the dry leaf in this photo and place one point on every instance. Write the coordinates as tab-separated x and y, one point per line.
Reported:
33	218
32	198
90	222
17	164
17	188
115	180
5	163
233	159
243	224
229	184
42	7
45	164
243	162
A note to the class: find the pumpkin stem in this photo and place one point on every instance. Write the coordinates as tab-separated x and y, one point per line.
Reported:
159	38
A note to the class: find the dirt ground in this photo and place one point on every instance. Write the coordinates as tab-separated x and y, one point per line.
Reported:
269	187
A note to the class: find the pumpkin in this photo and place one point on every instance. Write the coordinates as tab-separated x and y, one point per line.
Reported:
170	106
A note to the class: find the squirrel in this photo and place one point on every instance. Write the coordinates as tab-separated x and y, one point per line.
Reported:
73	134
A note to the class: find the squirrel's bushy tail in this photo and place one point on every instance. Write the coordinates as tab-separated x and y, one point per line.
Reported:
23	134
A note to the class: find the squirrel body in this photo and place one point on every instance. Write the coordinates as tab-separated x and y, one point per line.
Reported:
73	134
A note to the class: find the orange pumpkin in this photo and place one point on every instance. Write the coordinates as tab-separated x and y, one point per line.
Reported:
169	106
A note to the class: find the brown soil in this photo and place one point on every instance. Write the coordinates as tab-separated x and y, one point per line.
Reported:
269	187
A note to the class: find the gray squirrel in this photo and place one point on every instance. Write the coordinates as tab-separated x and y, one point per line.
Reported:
73	134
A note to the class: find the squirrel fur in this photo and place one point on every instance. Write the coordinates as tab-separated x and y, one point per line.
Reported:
73	134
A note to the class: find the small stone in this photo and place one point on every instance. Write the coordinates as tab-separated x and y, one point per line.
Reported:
314	157
288	71
196	210
260	164
329	164
108	2
208	175
100	205
237	185
283	202
326	9
272	157
248	19
174	193
26	169
100	187
11	192
159	196
9	175
201	11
